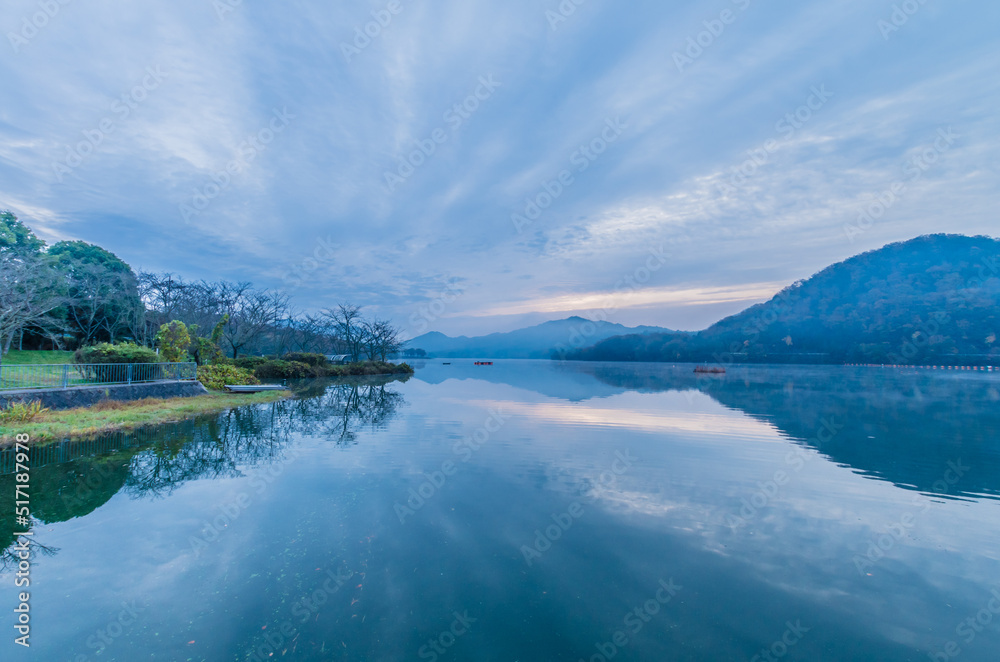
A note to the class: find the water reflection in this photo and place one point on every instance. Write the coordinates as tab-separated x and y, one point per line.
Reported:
901	426
322	476
338	409
74	479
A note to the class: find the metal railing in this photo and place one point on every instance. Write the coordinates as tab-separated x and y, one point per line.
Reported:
70	375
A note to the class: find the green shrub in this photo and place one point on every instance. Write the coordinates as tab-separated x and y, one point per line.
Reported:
216	377
315	360
368	368
174	340
275	369
121	353
248	362
21	412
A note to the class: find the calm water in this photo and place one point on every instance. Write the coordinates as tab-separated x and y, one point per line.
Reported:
534	511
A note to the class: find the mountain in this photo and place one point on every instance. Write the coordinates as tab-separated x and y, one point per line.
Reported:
931	300
536	342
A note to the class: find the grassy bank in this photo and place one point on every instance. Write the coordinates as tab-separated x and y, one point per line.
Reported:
113	416
15	357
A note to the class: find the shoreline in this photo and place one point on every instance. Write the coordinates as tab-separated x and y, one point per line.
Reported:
116	416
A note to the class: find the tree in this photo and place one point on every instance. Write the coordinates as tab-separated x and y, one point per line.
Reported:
28	296
102	291
381	339
16	237
173	340
251	313
208	350
347	324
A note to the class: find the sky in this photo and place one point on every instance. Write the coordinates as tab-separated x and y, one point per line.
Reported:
470	167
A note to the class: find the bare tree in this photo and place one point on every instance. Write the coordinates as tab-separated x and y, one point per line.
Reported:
168	298
93	293
346	322
28	294
251	312
381	339
285	332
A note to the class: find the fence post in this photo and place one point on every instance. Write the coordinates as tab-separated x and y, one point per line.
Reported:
129	369
65	376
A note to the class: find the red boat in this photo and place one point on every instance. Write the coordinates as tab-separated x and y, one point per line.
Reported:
484	362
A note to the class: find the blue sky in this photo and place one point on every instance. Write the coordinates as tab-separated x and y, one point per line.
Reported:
353	176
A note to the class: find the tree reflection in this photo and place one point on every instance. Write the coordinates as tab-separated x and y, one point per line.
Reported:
75	479
347	406
900	426
10	557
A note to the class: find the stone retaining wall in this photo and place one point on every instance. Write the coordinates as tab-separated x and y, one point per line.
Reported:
86	396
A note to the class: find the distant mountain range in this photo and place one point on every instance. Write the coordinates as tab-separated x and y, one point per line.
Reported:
536	342
932	300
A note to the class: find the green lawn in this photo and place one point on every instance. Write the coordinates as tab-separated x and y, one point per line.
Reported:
110	416
15	357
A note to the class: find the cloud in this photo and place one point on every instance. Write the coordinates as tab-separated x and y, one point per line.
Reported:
661	184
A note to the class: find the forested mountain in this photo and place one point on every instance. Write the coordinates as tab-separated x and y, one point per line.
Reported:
933	299
535	342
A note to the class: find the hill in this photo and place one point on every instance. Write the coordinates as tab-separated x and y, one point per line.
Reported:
933	299
535	342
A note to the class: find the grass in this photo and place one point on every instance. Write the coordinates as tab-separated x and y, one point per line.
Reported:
114	416
15	357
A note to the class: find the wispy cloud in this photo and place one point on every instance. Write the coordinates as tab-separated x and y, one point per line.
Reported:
661	184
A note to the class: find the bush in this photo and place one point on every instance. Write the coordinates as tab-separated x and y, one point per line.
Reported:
314	360
368	368
250	363
21	412
120	353
174	340
216	377
275	369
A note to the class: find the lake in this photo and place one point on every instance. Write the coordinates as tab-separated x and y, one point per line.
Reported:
533	510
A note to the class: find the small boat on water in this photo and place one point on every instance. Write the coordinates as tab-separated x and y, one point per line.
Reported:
710	371
484	362
259	388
